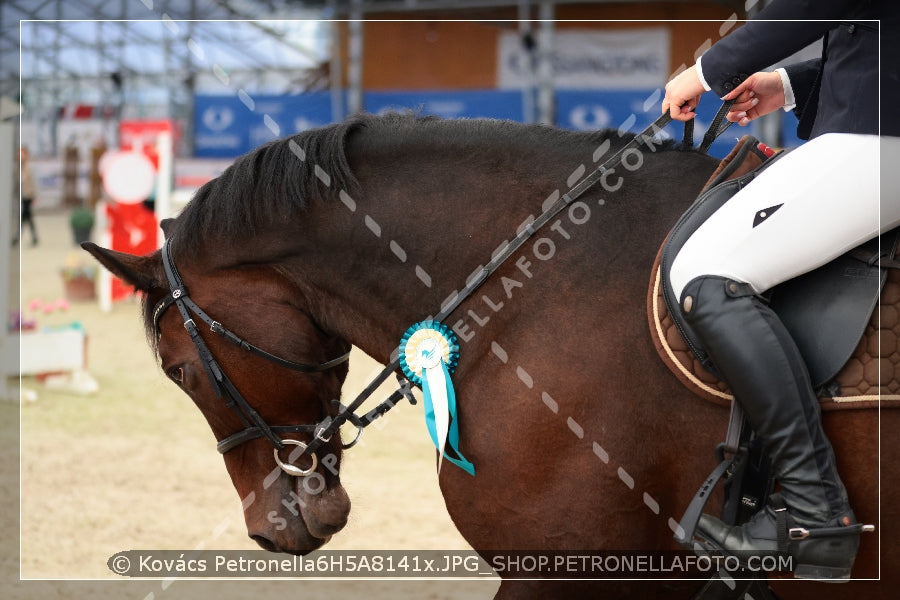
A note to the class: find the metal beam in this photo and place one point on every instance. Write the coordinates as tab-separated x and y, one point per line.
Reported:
355	58
545	95
272	33
381	6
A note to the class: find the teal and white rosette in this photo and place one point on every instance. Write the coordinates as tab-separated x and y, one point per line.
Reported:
429	353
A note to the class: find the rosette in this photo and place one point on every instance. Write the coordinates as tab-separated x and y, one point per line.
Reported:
429	353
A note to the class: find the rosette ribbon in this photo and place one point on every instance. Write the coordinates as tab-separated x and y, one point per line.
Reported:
429	353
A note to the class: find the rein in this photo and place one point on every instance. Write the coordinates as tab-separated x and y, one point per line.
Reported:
255	426
331	425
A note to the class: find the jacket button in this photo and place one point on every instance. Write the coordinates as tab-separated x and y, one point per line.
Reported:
727	86
736	80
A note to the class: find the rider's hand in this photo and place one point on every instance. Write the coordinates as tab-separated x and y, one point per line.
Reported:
758	95
682	95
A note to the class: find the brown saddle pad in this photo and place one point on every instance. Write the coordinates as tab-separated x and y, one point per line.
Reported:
871	375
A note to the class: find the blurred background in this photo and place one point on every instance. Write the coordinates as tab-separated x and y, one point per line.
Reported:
114	112
225	76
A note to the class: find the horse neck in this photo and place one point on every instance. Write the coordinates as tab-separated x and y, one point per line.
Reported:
388	255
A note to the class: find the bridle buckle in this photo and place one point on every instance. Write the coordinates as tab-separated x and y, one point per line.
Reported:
319	434
321	427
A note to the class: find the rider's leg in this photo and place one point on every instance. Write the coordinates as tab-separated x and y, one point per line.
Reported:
804	210
755	354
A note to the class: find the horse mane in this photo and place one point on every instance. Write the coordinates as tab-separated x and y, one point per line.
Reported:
275	181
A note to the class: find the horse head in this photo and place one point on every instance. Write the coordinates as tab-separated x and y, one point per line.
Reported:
295	508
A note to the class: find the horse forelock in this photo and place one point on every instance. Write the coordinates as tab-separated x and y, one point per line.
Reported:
149	324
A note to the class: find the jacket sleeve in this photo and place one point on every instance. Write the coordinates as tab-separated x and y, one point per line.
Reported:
804	77
782	28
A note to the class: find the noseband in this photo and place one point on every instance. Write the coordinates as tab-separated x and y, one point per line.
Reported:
254	425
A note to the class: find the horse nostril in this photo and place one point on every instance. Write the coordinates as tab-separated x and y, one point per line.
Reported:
264	543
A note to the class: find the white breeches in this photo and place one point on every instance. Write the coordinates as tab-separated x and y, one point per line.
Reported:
815	203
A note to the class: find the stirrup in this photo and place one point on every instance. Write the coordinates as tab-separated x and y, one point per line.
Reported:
727	467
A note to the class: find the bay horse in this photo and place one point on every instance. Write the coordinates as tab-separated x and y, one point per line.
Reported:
581	439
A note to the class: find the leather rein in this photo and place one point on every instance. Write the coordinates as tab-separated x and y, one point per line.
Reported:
255	426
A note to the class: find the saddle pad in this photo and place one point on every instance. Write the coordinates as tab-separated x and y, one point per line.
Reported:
871	373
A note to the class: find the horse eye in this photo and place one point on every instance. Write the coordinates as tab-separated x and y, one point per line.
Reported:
176	374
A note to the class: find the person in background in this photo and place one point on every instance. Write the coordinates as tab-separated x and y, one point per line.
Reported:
27	193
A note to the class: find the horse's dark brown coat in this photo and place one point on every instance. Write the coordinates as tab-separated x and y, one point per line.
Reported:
581	438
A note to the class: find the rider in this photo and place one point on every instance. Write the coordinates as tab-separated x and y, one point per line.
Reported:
807	208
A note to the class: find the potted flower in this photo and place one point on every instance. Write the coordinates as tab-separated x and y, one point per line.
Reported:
78	278
82	223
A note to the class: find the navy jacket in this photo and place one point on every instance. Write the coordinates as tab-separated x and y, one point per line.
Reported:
838	92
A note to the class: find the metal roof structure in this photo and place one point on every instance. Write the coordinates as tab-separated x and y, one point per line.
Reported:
149	58
82	51
89	51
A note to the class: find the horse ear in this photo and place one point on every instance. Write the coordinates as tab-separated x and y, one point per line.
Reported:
166	226
140	271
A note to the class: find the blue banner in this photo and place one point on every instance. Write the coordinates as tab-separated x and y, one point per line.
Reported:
492	104
789	131
229	126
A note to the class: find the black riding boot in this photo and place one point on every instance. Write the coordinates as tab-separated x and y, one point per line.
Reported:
759	360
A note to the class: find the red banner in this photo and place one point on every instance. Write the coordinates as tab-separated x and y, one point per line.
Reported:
143	134
133	227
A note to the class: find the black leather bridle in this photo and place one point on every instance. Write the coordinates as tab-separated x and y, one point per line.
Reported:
255	426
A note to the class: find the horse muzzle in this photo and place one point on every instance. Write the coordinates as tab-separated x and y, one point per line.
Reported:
303	517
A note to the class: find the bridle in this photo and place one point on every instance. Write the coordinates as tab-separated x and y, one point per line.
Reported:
255	426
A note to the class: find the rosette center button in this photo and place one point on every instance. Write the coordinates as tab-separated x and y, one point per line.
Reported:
430	354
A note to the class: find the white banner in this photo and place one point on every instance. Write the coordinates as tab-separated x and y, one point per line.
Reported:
48	182
590	59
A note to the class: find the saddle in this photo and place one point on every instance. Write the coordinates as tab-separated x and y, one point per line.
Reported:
830	312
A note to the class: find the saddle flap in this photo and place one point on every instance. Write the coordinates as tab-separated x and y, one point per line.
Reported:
827	310
746	156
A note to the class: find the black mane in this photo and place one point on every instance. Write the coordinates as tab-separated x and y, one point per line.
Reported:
276	180
273	181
